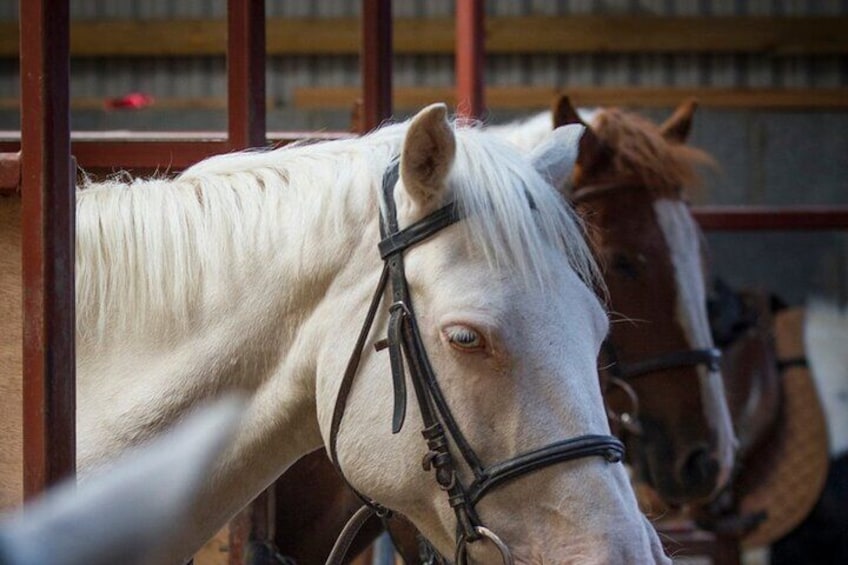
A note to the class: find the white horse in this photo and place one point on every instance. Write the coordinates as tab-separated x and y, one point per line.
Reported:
253	272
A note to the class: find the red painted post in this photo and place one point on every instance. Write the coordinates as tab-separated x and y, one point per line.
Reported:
246	127
246	73
48	205
470	58
376	63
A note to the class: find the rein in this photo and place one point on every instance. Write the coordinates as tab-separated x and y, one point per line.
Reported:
441	430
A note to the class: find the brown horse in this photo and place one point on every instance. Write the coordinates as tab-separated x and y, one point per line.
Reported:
664	386
664	391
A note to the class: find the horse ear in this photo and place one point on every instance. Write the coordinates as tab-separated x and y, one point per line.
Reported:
556	156
676	129
428	153
565	113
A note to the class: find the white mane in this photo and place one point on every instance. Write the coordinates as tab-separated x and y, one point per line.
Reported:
148	250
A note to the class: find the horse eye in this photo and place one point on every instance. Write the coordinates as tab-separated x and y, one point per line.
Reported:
464	338
625	266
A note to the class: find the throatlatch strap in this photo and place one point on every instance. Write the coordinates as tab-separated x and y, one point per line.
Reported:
353	365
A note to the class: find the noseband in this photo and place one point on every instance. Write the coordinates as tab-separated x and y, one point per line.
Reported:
404	342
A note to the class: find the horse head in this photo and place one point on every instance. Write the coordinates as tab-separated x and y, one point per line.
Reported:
663	382
494	328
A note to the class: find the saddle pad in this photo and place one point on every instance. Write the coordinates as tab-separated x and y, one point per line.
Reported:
785	477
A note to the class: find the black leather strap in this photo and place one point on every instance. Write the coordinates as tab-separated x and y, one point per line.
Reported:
348	534
396	360
419	231
608	447
353	366
710	357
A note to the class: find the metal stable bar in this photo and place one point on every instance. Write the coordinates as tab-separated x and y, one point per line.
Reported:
246	127
762	218
246	73
376	63
470	58
48	200
161	151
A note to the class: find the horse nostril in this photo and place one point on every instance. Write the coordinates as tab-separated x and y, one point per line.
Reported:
698	468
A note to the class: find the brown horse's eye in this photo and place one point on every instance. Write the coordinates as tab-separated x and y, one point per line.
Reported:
624	265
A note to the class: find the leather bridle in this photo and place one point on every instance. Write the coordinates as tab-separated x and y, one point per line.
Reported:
441	430
622	373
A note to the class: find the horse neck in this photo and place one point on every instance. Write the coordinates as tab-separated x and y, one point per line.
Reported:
259	273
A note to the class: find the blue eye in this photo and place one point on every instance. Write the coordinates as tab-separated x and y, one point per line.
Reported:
463	337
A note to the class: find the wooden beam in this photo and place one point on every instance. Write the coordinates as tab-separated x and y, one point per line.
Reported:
519	97
504	35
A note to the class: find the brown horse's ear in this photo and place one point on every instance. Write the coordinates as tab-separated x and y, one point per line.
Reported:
676	129
590	153
564	113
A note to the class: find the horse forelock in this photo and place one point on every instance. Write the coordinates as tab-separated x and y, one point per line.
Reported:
640	151
514	215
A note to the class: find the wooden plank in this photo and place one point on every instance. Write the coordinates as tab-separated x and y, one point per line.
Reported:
504	35
518	97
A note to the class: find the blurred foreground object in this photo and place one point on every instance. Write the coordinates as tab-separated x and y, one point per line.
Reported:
127	512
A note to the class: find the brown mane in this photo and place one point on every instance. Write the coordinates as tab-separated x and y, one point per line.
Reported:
639	150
